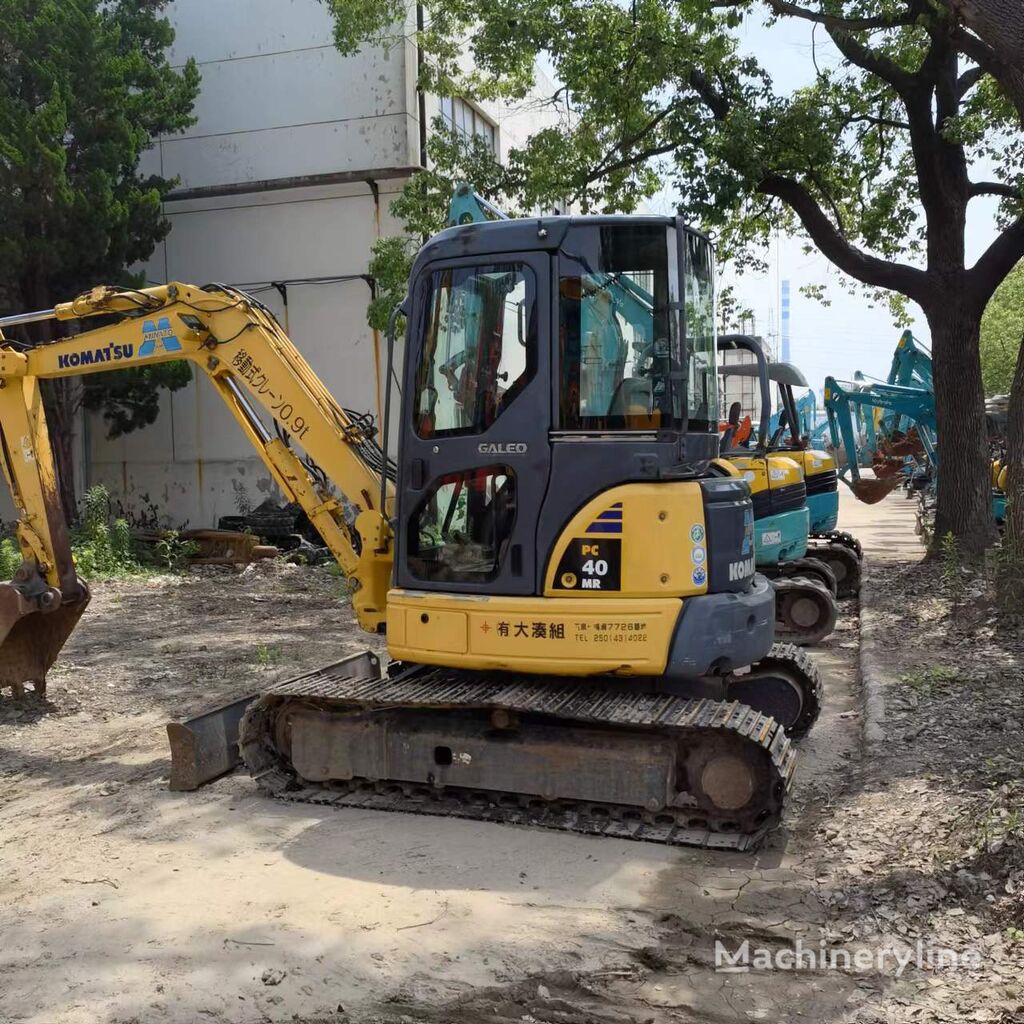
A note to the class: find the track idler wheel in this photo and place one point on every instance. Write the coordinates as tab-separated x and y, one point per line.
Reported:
845	566
785	684
805	611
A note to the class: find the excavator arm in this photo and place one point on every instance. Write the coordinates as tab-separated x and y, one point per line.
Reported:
842	401
320	456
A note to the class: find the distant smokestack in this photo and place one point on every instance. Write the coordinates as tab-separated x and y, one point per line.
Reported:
785	321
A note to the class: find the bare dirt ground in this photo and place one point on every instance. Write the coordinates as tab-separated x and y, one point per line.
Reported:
122	902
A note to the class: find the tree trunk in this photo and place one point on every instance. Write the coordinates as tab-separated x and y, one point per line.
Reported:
62	398
1011	569
964	505
1000	25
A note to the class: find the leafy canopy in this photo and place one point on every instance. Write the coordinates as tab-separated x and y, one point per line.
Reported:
871	160
85	86
1002	330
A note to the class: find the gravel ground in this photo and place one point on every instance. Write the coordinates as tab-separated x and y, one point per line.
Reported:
125	903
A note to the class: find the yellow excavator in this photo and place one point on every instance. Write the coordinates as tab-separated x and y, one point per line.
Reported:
564	571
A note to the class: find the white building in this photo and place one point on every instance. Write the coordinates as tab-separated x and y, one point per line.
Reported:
286	178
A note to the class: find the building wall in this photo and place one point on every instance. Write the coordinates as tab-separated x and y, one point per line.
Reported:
287	175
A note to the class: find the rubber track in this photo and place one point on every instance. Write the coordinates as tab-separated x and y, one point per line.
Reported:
549	696
840	537
789	656
814	634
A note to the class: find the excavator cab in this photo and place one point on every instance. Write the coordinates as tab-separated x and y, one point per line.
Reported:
532	358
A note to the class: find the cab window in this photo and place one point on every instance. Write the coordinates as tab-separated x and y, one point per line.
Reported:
616	343
479	348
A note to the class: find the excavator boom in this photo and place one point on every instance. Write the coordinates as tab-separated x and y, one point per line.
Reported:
233	340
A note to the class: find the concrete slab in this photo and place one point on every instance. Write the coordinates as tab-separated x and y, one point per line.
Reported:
886	530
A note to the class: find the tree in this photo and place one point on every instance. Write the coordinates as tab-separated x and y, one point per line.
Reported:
1002	328
85	86
993	36
875	161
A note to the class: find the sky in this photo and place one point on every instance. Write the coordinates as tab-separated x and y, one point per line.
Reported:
848	335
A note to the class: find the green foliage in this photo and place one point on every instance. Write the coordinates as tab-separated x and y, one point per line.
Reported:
10	557
266	655
1002	329
85	87
952	566
102	548
931	679
422	207
173	552
665	93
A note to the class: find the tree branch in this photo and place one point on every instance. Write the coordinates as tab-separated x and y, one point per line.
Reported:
784	7
998	260
871	60
994	188
880	122
968	80
867	269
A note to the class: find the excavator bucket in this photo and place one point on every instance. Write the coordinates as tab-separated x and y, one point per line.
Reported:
873	491
31	639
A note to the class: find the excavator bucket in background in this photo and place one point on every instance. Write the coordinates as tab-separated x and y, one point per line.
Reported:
31	639
871	492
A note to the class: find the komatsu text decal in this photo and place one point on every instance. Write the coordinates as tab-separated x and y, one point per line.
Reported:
740	570
95	356
154	333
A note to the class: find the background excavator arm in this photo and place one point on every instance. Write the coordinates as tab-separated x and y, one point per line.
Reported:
238	344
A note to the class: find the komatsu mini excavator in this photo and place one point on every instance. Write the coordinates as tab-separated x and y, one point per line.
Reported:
840	551
805	606
567	587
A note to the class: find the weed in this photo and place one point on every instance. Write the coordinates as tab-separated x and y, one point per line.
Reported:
1001	821
102	549
267	656
174	553
931	679
10	557
952	567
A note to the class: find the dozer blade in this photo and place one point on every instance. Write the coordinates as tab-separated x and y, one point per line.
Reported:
205	747
871	492
31	639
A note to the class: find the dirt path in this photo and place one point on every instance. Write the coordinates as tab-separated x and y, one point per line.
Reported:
124	902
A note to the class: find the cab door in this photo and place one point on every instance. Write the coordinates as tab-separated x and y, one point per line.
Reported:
475	456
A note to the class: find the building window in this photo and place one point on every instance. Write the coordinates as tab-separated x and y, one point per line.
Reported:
467	121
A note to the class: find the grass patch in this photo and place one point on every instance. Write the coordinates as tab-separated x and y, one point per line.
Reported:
267	655
932	679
